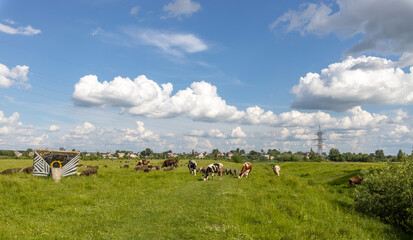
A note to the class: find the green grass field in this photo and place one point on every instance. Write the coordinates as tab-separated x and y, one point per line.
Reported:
308	201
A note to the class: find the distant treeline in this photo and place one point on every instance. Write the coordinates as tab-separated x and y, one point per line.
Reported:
240	155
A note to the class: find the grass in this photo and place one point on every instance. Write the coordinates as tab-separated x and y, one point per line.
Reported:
308	201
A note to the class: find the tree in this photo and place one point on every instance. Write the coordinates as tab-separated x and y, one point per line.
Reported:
215	152
334	155
400	156
147	152
379	154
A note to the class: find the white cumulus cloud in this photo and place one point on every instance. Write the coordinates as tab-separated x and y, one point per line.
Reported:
238	133
353	82
181	7
13	76
145	97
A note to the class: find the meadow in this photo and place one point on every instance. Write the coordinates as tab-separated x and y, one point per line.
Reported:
308	201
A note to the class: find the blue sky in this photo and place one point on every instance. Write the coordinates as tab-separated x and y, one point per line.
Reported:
184	74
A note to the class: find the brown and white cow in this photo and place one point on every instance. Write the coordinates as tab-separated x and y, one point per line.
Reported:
354	180
246	169
277	170
143	162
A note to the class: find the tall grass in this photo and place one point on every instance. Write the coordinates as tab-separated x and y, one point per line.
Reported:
308	201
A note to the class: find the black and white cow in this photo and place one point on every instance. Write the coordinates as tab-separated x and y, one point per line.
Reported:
192	167
213	168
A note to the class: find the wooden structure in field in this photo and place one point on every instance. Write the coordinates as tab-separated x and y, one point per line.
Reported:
57	163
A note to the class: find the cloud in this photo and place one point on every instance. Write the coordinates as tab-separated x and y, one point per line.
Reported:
97	31
198	144
181	8
352	82
54	128
146	98
212	133
139	134
238	133
134	10
15	135
14	76
171	43
201	102
28	30
385	25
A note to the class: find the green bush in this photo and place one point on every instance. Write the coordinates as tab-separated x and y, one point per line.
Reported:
237	158
388	194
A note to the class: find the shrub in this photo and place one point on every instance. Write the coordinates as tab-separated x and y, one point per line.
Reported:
237	158
388	194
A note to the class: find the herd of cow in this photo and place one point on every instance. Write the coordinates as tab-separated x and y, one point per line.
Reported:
170	164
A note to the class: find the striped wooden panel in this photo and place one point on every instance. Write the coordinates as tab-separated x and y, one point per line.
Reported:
40	166
71	167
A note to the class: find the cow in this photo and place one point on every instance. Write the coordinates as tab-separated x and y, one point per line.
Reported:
202	169
246	169
277	170
192	167
28	169
143	162
213	168
125	166
11	171
89	171
170	162
354	180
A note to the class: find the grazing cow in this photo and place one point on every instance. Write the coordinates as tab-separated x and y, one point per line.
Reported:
28	169
143	162
213	168
202	170
246	169
192	167
277	170
89	171
235	172
354	180
170	162
11	171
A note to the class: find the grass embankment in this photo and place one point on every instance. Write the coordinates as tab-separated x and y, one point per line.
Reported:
308	201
